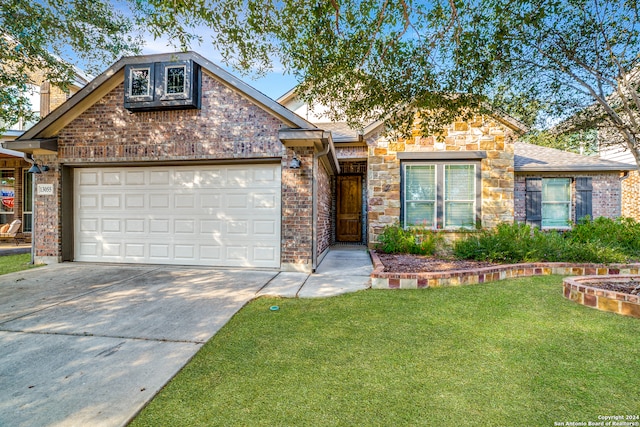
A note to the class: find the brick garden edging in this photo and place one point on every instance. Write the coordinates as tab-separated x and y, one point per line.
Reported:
577	289
388	280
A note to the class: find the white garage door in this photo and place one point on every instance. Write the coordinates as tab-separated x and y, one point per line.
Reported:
192	215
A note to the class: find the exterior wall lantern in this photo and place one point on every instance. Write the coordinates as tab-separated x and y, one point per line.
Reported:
295	162
37	169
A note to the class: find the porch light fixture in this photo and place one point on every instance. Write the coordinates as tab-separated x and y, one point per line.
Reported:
295	162
36	169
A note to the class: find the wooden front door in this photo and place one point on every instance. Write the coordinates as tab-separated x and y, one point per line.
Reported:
349	209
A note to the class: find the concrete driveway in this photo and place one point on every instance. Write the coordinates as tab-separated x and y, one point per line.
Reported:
90	344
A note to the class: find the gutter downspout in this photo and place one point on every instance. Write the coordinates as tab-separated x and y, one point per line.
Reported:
314	210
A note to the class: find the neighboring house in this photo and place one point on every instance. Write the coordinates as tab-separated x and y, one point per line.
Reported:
170	159
15	183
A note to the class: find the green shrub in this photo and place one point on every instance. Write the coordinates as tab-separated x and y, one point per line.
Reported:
508	243
412	240
600	241
620	234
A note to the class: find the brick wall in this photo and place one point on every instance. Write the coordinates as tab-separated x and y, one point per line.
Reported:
324	200
228	126
479	134
297	210
47	210
606	193
631	196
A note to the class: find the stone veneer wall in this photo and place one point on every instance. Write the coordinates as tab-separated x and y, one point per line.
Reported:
228	126
479	134
605	196
631	196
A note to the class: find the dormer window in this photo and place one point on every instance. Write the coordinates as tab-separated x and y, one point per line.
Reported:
174	83
140	82
162	86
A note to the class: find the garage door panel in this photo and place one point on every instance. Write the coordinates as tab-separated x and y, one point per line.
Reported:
111	225
264	201
184	201
135	201
209	215
135	178
110	201
135	225
159	178
89	201
184	226
111	178
135	251
159	226
159	201
87	178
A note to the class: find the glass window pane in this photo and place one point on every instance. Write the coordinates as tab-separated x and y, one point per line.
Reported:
420	213
459	214
7	194
420	183
459	182
140	82
175	80
459	195
556	202
555	215
555	190
27	201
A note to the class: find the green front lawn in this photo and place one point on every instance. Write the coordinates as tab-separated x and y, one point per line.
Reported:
501	354
13	263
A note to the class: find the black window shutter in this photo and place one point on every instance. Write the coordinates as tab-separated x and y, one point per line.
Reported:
533	201
584	191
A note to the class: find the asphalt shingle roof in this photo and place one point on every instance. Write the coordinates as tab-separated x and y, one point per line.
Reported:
534	158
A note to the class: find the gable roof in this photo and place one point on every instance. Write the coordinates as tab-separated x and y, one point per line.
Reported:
114	75
535	158
342	132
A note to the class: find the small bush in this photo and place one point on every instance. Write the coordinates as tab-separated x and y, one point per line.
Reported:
600	241
620	234
417	240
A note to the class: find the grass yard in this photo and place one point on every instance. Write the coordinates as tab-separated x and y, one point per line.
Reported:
13	263
511	353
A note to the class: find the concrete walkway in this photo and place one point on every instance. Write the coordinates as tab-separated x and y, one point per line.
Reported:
344	269
91	344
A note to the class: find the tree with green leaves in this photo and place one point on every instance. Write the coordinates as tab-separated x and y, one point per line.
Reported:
49	37
367	60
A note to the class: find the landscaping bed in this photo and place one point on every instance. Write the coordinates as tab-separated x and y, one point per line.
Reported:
407	263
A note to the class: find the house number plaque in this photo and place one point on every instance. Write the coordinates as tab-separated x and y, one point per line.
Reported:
45	190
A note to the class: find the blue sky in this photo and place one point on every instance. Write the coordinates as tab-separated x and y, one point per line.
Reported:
274	84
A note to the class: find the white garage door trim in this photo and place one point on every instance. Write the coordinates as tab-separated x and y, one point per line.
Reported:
211	215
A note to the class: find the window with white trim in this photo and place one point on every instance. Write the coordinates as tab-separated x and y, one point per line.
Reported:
420	195
174	82
440	195
7	195
556	202
140	82
27	201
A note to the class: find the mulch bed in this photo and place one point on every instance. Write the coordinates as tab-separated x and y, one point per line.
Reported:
405	263
631	287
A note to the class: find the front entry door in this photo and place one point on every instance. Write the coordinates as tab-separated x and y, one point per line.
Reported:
349	209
